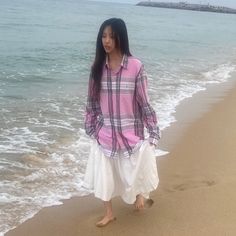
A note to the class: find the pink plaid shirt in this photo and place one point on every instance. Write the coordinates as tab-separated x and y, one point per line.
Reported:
117	121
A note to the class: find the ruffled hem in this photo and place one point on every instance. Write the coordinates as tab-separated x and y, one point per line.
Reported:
125	177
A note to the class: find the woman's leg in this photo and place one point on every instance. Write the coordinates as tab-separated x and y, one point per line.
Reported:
108	214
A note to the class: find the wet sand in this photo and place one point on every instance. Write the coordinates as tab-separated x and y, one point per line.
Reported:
197	190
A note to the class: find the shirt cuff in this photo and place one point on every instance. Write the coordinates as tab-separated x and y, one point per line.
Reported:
93	136
153	141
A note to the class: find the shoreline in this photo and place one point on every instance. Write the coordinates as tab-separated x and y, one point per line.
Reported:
193	108
87	209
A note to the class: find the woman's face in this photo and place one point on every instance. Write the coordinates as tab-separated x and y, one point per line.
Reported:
108	40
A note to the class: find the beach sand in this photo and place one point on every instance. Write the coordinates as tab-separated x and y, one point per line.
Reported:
197	190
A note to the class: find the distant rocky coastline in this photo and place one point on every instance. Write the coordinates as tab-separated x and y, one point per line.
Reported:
188	6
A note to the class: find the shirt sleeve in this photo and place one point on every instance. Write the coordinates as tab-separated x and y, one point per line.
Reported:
92	111
148	113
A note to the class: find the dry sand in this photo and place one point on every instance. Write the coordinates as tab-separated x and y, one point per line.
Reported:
196	195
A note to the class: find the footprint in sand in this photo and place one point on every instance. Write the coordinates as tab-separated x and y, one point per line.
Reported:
194	184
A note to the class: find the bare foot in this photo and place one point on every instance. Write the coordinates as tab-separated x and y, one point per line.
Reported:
105	221
139	203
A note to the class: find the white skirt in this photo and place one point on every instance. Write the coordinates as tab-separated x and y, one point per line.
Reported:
126	177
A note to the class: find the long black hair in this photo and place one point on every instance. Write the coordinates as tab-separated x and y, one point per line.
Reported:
121	41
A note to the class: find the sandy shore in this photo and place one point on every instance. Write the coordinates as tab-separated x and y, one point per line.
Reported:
197	189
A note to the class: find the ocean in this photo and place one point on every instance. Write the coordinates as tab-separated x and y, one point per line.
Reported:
46	50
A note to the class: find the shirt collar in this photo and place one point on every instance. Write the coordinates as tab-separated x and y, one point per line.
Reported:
124	62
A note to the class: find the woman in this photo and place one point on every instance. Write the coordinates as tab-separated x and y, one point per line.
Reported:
121	162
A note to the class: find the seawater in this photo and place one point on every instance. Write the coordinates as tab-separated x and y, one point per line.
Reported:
47	48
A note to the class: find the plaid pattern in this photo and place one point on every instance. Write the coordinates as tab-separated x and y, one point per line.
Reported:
117	121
